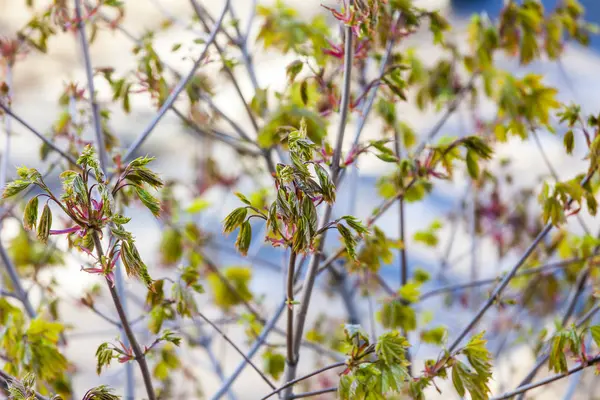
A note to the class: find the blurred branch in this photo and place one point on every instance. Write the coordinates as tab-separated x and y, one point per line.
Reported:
16	282
177	90
228	71
546	381
237	349
255	347
302	378
43	138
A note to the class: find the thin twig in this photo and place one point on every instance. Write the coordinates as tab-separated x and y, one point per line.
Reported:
103	316
482	282
137	351
550	379
255	347
237	349
302	378
234	142
449	111
7	132
314	393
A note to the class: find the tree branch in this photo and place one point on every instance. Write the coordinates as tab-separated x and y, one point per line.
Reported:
550	379
137	351
314	393
99	135
311	273
290	361
302	378
482	282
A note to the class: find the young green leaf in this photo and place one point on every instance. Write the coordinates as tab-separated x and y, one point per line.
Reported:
243	198
234	219
274	363
595	331
30	214
569	141
244	238
472	165
391	348
349	241
148	200
355	224
293	69
43	229
134	266
104	356
15	187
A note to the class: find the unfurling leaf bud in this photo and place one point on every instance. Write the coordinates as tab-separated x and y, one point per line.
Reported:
293	69
234	219
30	214
15	187
43	229
349	241
148	200
244	238
134	266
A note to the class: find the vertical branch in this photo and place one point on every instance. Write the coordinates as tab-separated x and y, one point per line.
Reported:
403	262
403	259
118	295
135	347
290	307
345	102
311	274
102	155
129	378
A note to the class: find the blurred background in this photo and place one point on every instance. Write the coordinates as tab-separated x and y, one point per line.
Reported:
39	79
